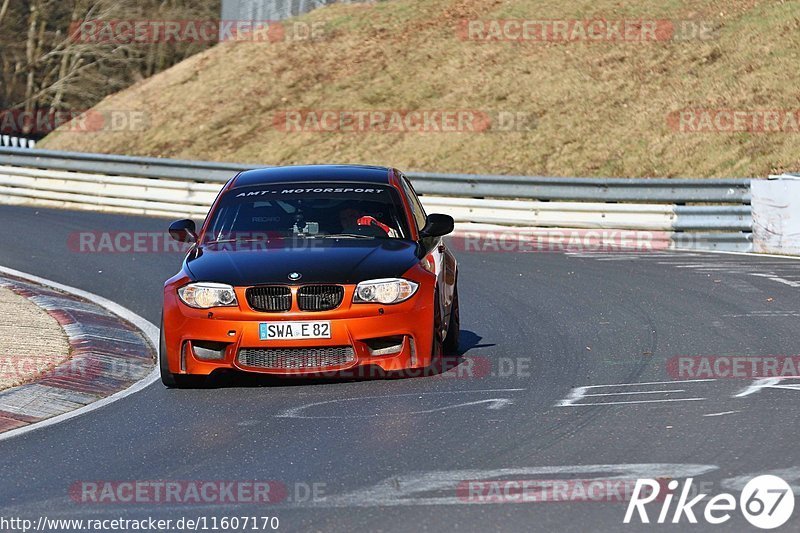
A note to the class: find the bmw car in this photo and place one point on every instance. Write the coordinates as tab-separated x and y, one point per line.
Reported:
308	270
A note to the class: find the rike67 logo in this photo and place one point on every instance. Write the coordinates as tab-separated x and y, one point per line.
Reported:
767	502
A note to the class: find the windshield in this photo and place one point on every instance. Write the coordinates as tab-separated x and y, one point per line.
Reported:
308	210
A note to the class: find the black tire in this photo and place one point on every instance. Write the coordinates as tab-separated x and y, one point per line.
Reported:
170	380
437	347
450	344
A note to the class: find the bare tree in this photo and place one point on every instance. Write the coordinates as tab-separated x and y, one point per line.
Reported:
45	65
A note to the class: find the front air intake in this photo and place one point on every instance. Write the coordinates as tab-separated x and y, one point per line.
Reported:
270	299
319	297
296	358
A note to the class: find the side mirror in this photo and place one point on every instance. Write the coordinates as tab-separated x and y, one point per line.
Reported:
437	225
183	230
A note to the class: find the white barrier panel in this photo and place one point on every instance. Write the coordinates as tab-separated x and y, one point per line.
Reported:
16	142
776	215
554	214
713	214
164	197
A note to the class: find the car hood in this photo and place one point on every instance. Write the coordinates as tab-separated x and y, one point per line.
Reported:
343	261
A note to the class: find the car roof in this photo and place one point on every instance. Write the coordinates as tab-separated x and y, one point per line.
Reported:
312	173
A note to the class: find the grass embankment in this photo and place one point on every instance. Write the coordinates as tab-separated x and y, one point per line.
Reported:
595	108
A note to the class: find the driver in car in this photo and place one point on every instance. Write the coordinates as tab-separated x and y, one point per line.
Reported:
351	219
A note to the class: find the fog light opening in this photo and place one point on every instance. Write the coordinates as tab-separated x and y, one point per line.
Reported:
183	357
209	350
385	345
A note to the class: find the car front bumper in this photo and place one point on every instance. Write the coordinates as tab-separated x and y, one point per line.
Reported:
355	331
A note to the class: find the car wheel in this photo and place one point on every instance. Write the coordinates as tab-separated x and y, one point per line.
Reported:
170	380
454	328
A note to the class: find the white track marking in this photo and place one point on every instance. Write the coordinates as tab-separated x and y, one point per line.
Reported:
751	254
606	258
679	253
441	488
774	277
768	383
636	392
733	261
579	393
695	262
448	487
700	265
650	383
148	328
494	403
733	269
791	475
637	402
765	314
722	413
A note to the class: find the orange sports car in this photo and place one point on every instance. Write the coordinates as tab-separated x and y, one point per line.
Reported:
310	270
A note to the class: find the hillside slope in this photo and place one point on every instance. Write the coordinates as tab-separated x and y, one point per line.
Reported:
590	108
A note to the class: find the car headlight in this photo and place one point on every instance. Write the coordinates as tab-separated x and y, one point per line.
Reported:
204	295
384	291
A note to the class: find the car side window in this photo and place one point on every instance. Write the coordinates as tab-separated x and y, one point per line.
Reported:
416	207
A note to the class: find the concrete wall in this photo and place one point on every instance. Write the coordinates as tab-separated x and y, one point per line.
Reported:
269	9
776	215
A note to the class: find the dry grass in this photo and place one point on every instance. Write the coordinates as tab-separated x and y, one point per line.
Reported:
600	108
31	341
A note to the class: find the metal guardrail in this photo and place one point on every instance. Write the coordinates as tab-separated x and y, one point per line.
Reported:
122	165
655	190
673	190
716	209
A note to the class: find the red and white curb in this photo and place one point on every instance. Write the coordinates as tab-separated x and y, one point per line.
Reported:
112	352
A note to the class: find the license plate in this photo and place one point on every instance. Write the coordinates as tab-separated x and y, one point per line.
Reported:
271	331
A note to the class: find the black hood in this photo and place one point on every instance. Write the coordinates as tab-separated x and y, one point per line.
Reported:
345	261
